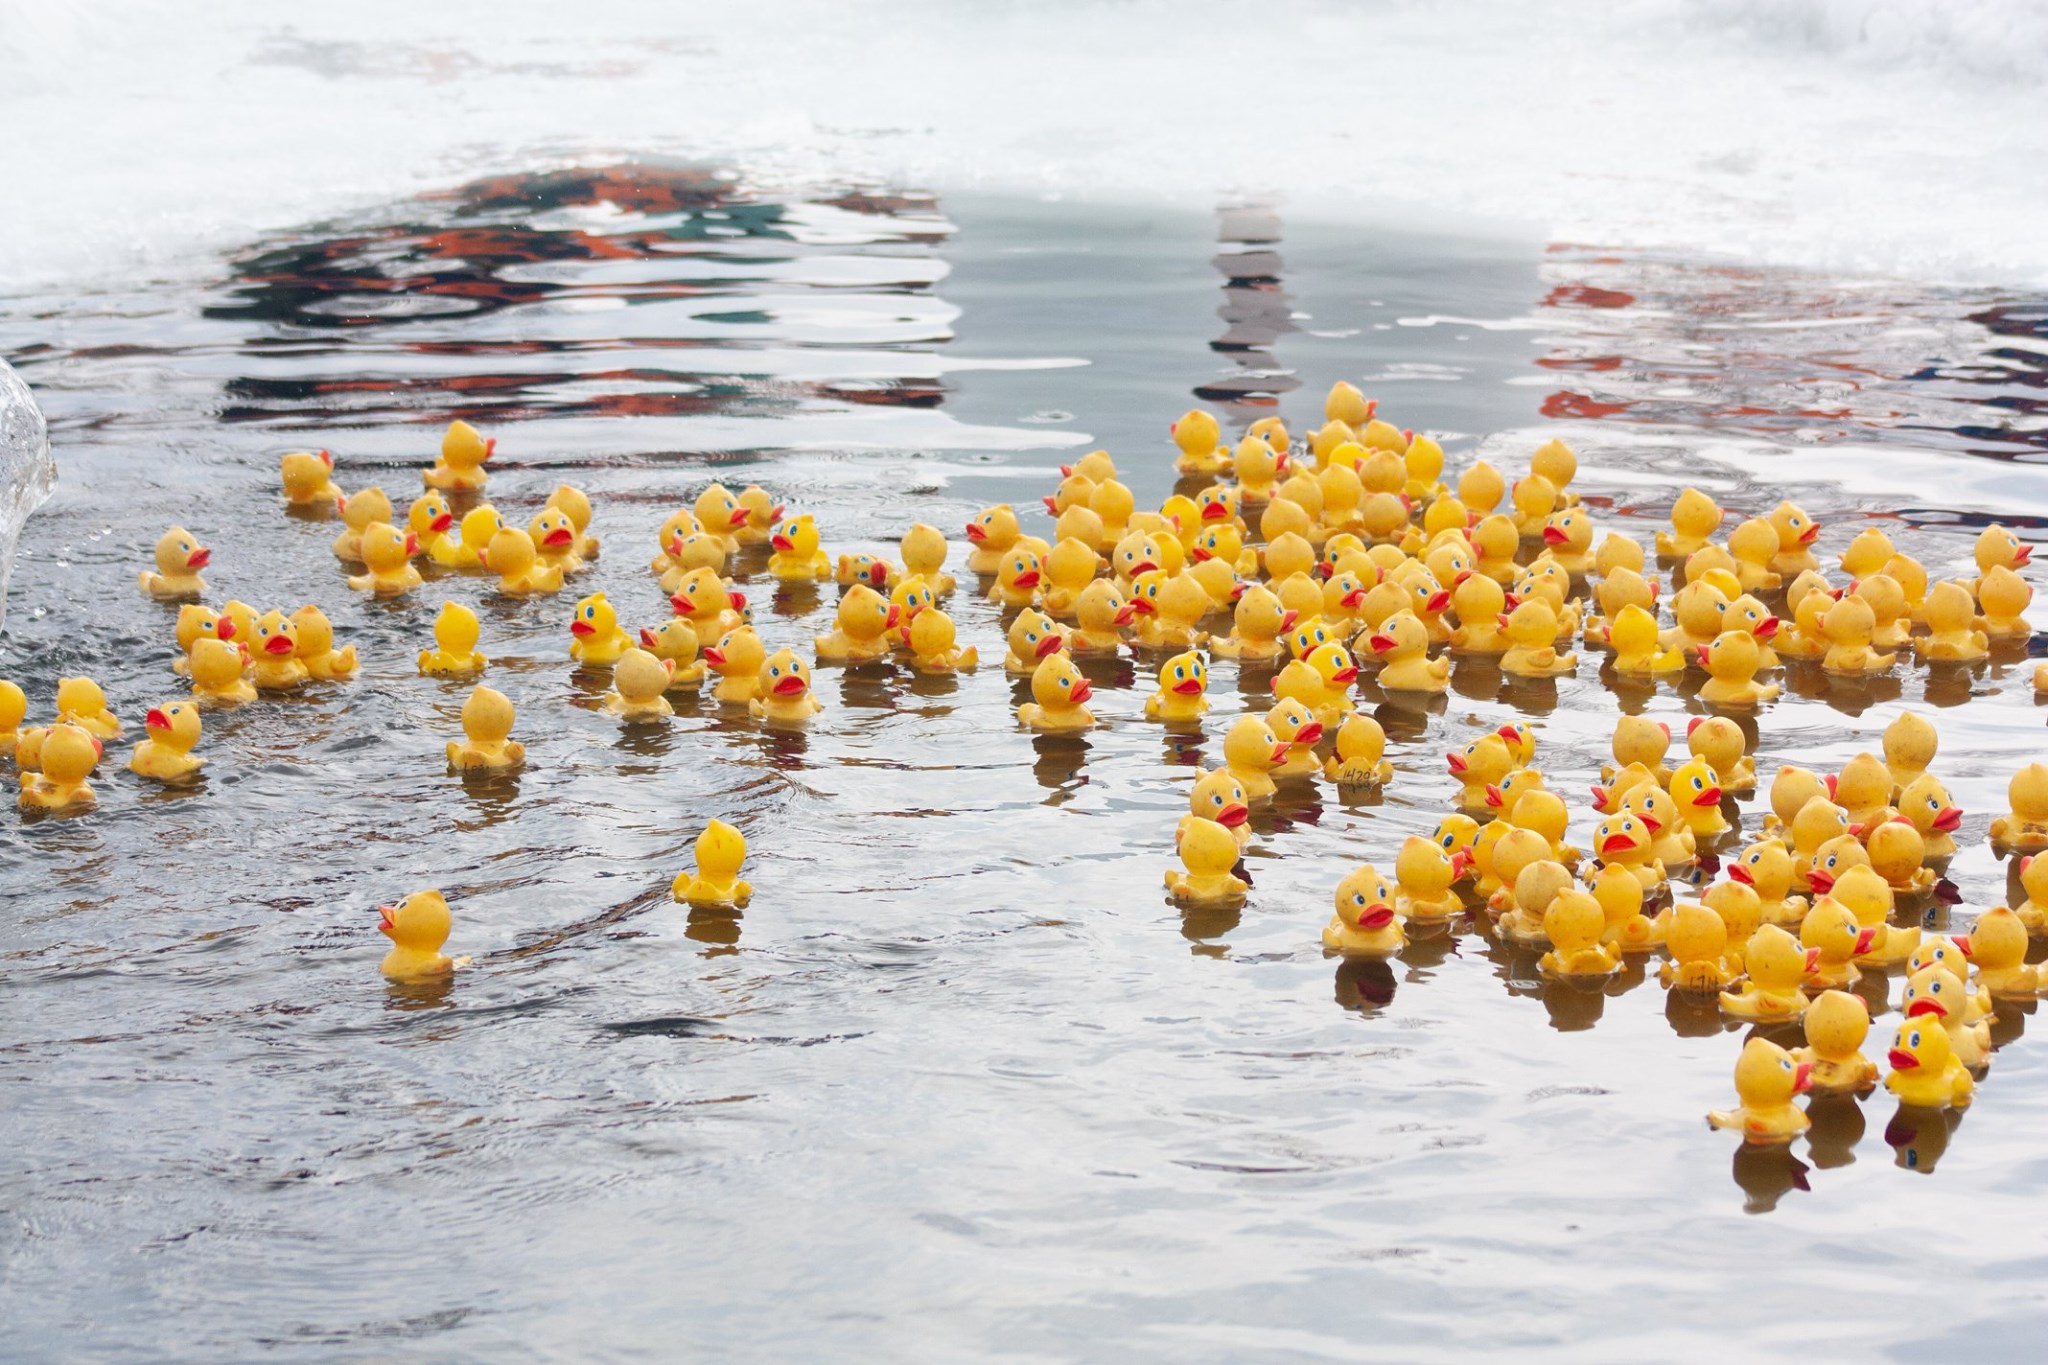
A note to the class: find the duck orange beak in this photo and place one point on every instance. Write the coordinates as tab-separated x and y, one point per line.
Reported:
646	638
387	920
1230	817
1767	627
442	522
1189	688
1739	872
738	517
490	447
903	634
199	558
1458	764
1201	554
878	573
1345	675
581	627
1802	1079
156	719
2021	555
1901	1059
1287	620
1125	613
1949	820
1710	797
1926	1005
1701	651
713	655
738	600
1437	601
1493	796
1309	733
412	545
1381	644
326	459
277	644
1376	917
1554	535
225	629
1279	753
1461	863
1027	579
1830	779
1143	566
1812	960
790	686
1602	798
1144	605
1962	945
1215	511
1864	939
1810	534
1322	571
1353	598
1052	504
1617	843
683	605
895	616
976	533
1082	692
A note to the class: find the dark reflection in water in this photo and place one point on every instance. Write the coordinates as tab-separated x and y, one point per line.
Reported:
1257	311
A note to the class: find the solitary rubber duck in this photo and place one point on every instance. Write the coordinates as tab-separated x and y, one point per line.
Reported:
309	484
1766	1081
797	558
487	717
1208	851
67	758
179	558
716	884
455	653
785	697
417	926
1365	923
173	729
639	690
461	466
594	633
1059	694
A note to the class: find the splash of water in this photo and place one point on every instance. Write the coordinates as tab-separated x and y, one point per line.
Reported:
27	473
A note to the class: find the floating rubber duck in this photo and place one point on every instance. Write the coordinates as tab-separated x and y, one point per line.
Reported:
677	526
308	482
2023	829
1402	645
1766	1081
417	926
66	754
1864	789
933	644
315	636
1065	574
1335	672
1637	647
1424	874
576	503
1819	821
1926	802
179	558
82	703
1533	500
1259	466
173	729
1836	1024
1910	743
1619	588
1891	614
1698	942
274	665
1202	453
1058	693
1774	964
1505	797
1112	503
1217	796
1952	954
1698	798
1791	789
1543	812
1753	545
871	570
455	652
461	466
1622	840
1767	868
1296	726
486	745
1870	900
1208	851
1925	1072
720	516
675	641
2033	911
1732	661
1568	539
1251	751
194	622
1899	855
1480	766
1365	923
1359	763
763	515
1532	629
1626	928
737	659
712	608
1573	921
1832	939
1867	554
465	549
924	551
1529	883
1032	637
1480	606
1796	534
1257	624
2004	596
13	708
387	552
1182	696
1936	994
1639	740
554	540
430	520
1694	519
1177	605
1997	946
993	533
358	514
596	637
1849	626
715	884
785	696
1017	579
640	683
217	668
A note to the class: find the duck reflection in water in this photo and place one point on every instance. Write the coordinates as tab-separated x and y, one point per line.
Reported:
1696	1014
495	792
1574	1004
1402	724
718	927
420	993
1182	749
1837	1126
1060	759
1766	1174
1919	1137
792	601
1365	984
869	686
1528	696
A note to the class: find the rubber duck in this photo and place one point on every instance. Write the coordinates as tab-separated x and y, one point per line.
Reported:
1796	534
455	636
2004	596
1208	851
63	758
1424	874
675	641
1808	605
1074	490
1568	539
460	469
1910	743
1746	614
715	884
1698	942
763	515
173	729
554	540
1697	795
1365	924
1766	1080
1182	696
1479	767
1140	553
308	481
1848	626
1997	946
1456	834
1870	900
2033	911
594	633
1694	518
1626	928
1731	663
1017	579
315	636
464	550
417	926
1296	726
933	644
1936	994
1480	488
924	551
1507	795
1256	626
2023	829
1033	637
1334	672
1531	629
1529	883
179	558
387	553
1359	763
1864	788
486	745
1891	614
712	608
1791	789
1572	922
1621	840
1178	605
1217	796
1867	554
1719	742
1544	812
1925	1072
1202	452
1494	543
1833	938
1058	692
1637	648
194	622
1533	500
720	516
1767	868
82	703
1999	548
1899	855
1926	802
1100	614
1836	1024
1753	544
1402	645
1619	589
640	683
737	659
576	503
1911	576
1480	606
1741	915
1639	740
1112	503
13	708
1259	467
864	568
992	533
785	697
1424	460
1774	964
1952	954
358	514
217	672
1066	574
1251	751
1697	613
274	665
430	519
680	523
1819	821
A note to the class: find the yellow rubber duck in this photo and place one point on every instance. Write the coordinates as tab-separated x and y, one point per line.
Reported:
1694	519
274	664
13	708
1909	747
455	636
1899	855
179	558
1619	587
639	692
430	520
785	696
737	659
1568	539
1934	994
1200	440
1867	554
716	884
676	641
461	466
1637	647
316	649
1296	726
720	516
1032	638
387	553
1741	915
308	482
1698	613
1424	875
1753	544
1870	900
1848	626
1217	796
1998	949
359	513
861	628
993	532
1359	762
1791	789
1480	606
1925	1071
1720	744
1529	882
1074	490
1731	663
1819	821
1698	942
1208	851
1170	611
1836	1024
933	644
1641	742
763	515
2022	829
1767	868
1532	629
1402	645
1766	1080
594	633
1480	488
1698	798
1953	955
1926	802
217	668
173	729
67	756
1257	624
1065	574
1259	466
1017	579
924	552
554	540
1365	923
2033	911
1058	693
1112	502
576	503
2004	596
487	717
1626	928
417	926
1573	921
1335	672
1774	964
465	549
872	570
1832	939
1621	840
679	525
1545	813
1890	612
194	622
1251	751
1796	534
712	608
80	702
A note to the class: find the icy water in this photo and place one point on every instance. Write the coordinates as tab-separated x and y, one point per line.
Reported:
959	1081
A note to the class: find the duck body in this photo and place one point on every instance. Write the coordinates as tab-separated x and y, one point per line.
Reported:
454	653
487	716
179	558
785	697
417	927
1766	1080
640	681
166	755
461	466
716	884
68	755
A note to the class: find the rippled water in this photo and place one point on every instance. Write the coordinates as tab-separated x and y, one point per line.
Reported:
960	1080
